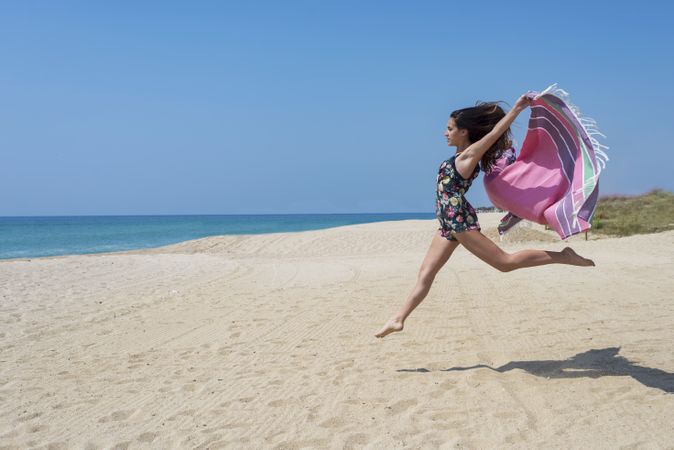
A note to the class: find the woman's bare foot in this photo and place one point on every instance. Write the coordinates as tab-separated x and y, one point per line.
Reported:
392	326
575	259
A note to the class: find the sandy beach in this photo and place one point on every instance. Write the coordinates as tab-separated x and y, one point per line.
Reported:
266	341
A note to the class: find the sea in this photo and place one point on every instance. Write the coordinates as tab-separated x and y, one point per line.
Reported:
32	237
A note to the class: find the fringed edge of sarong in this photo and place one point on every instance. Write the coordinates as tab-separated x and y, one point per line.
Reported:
589	126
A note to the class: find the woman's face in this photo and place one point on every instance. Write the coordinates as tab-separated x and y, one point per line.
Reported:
454	136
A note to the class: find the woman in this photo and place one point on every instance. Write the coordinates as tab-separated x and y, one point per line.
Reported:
480	134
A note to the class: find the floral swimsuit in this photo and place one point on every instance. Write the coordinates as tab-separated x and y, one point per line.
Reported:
452	209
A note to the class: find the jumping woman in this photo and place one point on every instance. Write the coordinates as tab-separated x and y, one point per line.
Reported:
480	134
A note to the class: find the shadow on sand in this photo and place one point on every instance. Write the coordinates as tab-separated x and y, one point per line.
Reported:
593	364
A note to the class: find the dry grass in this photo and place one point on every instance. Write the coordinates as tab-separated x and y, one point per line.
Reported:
626	215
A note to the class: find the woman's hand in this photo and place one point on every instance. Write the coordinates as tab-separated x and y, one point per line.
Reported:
523	102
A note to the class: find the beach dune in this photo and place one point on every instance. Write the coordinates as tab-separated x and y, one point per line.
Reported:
266	341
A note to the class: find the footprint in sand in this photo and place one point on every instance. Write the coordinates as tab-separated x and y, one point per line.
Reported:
147	437
505	415
117	416
333	422
36	428
277	403
401	406
445	416
29	417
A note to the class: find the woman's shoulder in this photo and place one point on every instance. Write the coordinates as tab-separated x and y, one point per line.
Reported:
473	175
448	161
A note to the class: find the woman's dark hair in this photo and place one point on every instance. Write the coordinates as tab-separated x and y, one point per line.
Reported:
480	120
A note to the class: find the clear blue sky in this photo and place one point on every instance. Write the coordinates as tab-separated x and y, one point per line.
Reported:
305	107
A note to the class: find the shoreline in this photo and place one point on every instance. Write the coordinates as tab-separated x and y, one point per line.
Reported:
102	236
488	221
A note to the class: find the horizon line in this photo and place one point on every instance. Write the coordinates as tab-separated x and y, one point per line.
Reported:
230	214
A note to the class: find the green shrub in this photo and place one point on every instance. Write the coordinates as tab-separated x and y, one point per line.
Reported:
621	215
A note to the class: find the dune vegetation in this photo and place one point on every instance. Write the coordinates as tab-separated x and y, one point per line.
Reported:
620	215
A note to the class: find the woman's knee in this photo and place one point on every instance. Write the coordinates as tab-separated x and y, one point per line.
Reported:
426	275
505	263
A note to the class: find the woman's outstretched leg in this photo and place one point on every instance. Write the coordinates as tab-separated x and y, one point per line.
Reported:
483	247
436	257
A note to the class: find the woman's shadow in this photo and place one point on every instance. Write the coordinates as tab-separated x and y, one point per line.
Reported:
592	363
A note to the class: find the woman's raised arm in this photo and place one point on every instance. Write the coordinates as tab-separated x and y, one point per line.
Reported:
469	158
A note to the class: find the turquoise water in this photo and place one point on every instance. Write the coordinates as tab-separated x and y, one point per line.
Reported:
29	237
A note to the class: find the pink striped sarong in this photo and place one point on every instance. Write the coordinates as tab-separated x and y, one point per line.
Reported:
554	180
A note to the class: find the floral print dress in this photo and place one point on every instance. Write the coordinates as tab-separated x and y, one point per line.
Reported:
452	209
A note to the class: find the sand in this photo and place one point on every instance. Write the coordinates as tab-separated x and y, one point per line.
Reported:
266	341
